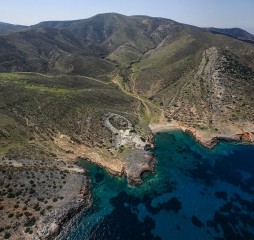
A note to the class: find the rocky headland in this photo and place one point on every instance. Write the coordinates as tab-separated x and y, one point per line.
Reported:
131	146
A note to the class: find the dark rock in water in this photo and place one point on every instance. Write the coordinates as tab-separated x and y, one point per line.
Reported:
147	200
203	172
210	224
227	207
221	195
247	205
229	224
247	234
197	222
236	209
99	177
171	205
149	223
123	198
123	224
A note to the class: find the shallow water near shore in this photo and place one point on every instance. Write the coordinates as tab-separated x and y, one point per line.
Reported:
195	194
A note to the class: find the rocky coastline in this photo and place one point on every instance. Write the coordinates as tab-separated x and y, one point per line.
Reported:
135	158
57	224
133	174
208	141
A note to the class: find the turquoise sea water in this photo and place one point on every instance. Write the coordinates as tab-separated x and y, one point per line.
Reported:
195	194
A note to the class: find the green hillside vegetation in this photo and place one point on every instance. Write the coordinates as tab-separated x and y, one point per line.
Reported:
40	105
79	70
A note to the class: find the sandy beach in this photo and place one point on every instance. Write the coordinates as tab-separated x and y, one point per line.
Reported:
166	127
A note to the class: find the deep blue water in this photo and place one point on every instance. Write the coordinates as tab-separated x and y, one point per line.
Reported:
195	194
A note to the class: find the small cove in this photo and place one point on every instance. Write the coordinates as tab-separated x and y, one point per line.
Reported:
195	194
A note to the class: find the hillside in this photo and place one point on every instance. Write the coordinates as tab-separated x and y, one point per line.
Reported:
94	88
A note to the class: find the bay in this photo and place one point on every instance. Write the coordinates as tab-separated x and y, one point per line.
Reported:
195	193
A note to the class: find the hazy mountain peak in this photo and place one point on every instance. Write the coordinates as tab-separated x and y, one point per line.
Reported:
237	33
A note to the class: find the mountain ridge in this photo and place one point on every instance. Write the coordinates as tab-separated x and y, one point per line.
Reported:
237	33
6	28
67	23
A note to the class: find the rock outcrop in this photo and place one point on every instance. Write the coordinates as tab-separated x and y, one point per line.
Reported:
51	225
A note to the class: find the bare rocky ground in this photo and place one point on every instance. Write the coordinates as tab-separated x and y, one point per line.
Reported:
38	198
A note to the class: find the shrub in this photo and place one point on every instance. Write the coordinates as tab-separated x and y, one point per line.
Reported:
28	214
10	195
7	235
30	222
32	191
10	215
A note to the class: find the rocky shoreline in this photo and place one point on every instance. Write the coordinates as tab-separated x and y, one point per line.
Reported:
133	171
209	141
136	159
244	137
58	223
